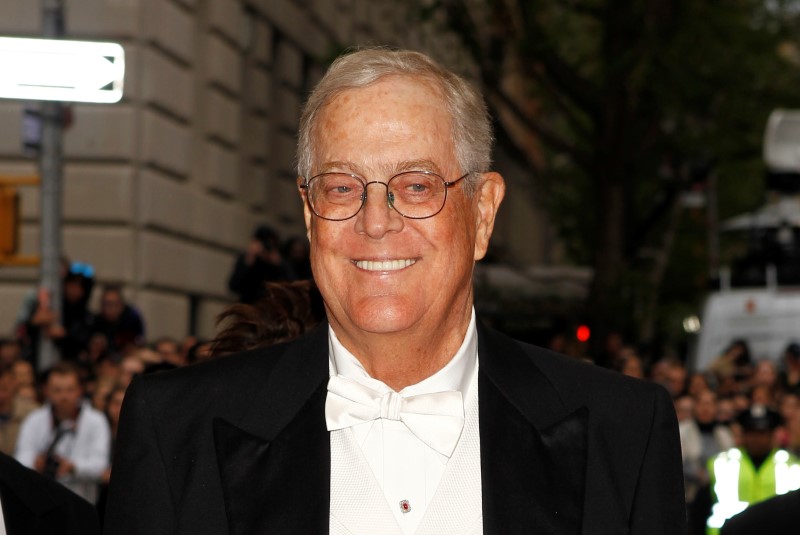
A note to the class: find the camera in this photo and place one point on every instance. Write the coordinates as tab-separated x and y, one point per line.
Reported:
51	465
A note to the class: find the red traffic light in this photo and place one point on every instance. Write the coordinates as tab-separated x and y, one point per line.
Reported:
583	333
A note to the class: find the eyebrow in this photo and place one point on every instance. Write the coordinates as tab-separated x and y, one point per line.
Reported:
417	165
423	164
338	166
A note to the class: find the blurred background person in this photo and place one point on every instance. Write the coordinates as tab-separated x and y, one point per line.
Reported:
766	380
297	255
735	361
96	348
670	373
765	374
129	368
629	363
13	410
684	407
10	351
170	351
76	319
261	262
793	434
71	327
111	409
31	303
727	385
726	411
790	376
120	322
753	472
29	393
698	382
702	438
789	407
762	395
66	439
23	374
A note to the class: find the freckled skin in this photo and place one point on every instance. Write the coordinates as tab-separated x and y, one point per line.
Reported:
402	325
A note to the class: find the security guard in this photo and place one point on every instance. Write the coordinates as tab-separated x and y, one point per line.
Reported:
753	472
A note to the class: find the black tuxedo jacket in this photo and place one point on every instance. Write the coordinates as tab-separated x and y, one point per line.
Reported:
239	446
34	505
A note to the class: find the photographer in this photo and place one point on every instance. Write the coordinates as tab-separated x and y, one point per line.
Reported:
66	440
259	263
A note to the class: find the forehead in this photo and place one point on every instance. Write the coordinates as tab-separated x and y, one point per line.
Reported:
63	379
397	118
132	363
707	395
22	366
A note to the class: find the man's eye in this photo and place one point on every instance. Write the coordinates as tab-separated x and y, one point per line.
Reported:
415	185
341	189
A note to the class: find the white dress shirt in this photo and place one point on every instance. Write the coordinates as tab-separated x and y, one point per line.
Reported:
88	447
405	468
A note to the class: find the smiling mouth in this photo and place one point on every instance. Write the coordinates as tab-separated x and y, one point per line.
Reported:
385	265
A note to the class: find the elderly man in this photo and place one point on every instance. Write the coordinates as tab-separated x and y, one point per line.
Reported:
403	414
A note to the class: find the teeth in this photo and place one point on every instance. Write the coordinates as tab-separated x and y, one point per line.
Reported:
388	265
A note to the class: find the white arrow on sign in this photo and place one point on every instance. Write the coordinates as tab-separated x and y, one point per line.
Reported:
58	69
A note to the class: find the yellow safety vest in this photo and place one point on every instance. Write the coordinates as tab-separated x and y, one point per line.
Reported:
735	482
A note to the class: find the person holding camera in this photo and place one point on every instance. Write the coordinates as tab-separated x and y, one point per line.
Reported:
66	440
261	262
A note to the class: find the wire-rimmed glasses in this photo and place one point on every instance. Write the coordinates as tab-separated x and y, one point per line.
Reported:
413	194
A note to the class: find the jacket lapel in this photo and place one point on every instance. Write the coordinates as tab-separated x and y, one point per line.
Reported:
533	445
279	452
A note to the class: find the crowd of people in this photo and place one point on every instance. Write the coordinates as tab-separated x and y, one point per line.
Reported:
740	404
62	421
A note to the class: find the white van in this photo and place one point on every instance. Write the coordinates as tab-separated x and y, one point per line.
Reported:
767	318
763	306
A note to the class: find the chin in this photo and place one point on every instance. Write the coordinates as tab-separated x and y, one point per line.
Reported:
376	326
383	315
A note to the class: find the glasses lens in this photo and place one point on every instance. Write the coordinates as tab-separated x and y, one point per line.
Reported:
335	195
417	194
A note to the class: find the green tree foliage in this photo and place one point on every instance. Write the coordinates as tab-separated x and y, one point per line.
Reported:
620	107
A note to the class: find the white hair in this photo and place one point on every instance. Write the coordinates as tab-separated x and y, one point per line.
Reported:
471	126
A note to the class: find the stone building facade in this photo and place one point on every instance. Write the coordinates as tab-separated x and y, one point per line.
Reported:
164	188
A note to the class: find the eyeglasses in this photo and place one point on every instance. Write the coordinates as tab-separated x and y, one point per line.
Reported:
413	194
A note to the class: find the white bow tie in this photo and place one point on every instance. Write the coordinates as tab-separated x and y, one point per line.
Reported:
436	419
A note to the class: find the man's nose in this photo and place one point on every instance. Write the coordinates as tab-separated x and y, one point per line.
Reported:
377	216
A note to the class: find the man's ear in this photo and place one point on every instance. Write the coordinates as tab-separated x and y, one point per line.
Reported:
307	215
490	194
